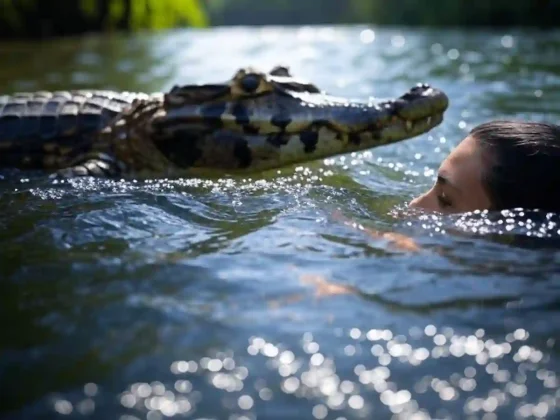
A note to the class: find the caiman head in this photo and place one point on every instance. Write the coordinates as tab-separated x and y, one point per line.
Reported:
258	121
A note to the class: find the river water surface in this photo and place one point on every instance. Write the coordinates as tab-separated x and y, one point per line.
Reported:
250	298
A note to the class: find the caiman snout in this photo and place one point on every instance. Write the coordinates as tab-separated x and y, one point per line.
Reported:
411	114
421	101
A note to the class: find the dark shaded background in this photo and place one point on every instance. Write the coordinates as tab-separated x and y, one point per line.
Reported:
36	18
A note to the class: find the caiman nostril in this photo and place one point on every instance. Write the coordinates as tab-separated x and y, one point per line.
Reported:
250	83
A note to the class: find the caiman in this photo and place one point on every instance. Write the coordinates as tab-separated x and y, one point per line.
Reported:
253	122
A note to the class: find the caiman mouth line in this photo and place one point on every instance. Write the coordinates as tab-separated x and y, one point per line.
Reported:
253	122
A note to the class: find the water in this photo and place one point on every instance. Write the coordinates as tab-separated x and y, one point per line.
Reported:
251	298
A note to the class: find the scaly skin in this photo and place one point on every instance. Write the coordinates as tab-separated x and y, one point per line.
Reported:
254	122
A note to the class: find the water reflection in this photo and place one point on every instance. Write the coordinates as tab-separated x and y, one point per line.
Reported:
108	62
267	372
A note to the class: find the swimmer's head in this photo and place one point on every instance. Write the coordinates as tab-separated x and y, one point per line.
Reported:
499	165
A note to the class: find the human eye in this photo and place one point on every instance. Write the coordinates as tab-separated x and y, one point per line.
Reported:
443	200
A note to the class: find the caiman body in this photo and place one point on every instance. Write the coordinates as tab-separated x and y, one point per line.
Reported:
254	122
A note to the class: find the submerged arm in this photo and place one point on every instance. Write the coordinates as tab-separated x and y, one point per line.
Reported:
396	240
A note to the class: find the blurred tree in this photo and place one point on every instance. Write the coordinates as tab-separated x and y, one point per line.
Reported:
538	13
277	12
41	18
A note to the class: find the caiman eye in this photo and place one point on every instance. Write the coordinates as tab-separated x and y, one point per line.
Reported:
280	71
250	83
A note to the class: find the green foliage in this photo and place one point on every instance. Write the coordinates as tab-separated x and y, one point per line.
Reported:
89	7
161	14
9	14
39	18
148	14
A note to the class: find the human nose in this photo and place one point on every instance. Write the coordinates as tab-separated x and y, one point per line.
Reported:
424	201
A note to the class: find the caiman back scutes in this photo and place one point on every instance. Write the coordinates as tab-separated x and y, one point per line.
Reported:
44	130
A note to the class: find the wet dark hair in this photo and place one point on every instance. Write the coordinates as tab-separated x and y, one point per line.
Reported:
522	164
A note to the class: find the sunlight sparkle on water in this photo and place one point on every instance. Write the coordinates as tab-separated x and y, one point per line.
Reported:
507	41
453	54
367	36
307	373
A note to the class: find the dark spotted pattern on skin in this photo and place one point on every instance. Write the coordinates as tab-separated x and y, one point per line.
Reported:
241	114
250	129
213	111
242	153
281	120
354	138
255	121
277	139
181	148
309	140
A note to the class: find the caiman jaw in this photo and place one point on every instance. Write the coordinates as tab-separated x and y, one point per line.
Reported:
272	120
410	115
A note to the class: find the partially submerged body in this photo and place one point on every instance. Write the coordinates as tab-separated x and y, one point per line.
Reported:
500	165
254	122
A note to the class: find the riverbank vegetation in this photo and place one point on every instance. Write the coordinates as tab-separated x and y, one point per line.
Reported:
45	18
538	13
42	18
